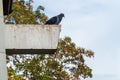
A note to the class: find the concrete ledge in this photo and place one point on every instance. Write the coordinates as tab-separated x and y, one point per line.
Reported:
30	51
36	37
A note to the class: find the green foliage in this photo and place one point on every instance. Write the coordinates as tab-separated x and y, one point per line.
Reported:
23	14
13	76
69	54
55	66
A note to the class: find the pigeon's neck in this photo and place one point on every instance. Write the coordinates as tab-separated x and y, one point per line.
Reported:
57	20
60	18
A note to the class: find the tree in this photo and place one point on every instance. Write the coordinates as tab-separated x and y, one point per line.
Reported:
67	63
23	14
55	66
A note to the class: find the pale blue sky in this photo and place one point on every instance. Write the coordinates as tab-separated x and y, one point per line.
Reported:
92	24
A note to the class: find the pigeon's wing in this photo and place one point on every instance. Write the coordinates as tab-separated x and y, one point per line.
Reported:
52	20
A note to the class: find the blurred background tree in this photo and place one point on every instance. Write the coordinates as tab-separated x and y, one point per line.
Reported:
23	13
68	63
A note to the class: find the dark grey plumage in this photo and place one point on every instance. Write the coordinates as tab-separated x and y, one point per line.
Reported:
55	20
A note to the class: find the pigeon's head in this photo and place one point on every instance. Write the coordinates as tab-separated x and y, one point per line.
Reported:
61	15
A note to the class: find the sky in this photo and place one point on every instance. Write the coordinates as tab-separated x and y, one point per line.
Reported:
92	24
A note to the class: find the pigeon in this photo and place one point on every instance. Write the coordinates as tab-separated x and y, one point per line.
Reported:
55	20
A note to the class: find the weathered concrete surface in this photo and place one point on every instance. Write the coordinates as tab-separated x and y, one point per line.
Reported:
3	67
32	36
2	46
